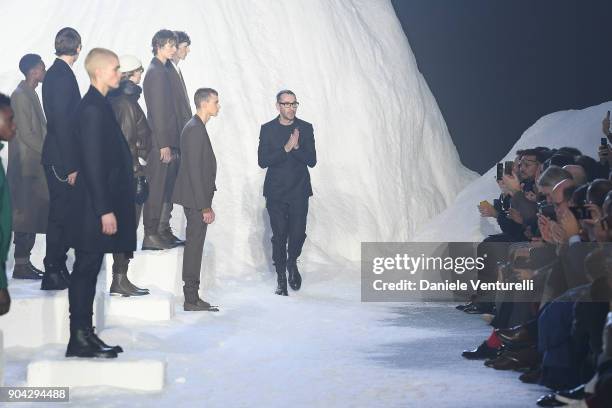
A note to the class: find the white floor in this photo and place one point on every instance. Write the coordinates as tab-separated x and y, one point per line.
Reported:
320	347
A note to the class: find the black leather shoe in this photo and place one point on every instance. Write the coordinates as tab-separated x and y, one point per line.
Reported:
120	286
171	238
25	271
82	344
463	307
98	341
295	279
53	279
573	395
482	352
156	243
549	400
531	376
477	308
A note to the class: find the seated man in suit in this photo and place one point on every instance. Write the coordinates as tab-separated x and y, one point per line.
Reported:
101	205
194	190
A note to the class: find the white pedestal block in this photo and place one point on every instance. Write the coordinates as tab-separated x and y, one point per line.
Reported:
140	375
159	269
157	306
40	317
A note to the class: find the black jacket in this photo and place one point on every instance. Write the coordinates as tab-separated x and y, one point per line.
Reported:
180	96
60	96
132	121
195	183
105	183
287	176
160	106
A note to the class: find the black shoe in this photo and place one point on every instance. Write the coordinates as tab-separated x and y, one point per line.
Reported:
199	306
82	344
295	279
531	376
27	271
549	400
170	237
573	395
478	308
53	279
98	341
156	243
463	307
482	352
121	286
281	289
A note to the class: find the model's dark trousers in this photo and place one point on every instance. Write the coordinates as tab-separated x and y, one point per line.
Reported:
24	242
288	222
161	178
121	260
194	247
82	290
58	203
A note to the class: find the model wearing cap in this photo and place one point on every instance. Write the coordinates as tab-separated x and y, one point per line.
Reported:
25	175
137	133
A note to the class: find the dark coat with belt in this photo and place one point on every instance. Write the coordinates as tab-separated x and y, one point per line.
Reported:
180	96
25	174
105	183
160	106
132	121
195	184
60	95
287	177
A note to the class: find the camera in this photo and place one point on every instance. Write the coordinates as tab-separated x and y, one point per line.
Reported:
547	210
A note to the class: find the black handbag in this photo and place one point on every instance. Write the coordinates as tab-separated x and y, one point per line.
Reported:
142	190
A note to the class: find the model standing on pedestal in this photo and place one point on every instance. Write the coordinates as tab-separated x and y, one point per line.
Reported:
101	205
7	133
182	107
163	161
287	149
26	177
135	128
194	190
60	95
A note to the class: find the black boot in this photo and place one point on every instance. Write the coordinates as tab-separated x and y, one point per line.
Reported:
281	279
53	279
82	344
169	236
156	243
26	271
295	279
98	341
193	303
123	287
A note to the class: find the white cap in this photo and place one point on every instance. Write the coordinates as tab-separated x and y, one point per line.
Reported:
128	63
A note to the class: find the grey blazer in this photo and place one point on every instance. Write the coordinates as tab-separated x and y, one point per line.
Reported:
195	184
180	98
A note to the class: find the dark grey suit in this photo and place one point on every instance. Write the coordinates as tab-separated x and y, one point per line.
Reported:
180	96
161	116
194	190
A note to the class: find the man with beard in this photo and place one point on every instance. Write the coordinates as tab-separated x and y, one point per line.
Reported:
287	149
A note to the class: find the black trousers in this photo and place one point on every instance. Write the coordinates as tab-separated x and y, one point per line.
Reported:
24	243
194	246
161	178
58	204
82	290
121	260
288	222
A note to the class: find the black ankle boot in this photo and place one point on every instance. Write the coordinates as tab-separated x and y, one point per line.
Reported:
281	279
98	341
122	286
53	279
82	344
295	279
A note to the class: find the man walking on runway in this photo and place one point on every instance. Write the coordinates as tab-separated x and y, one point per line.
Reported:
287	149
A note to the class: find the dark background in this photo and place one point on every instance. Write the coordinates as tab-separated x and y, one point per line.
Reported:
496	66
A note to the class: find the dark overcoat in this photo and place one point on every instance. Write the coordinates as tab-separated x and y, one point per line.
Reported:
105	183
25	174
180	96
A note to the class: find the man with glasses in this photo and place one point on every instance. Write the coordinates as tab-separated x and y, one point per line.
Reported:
287	149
